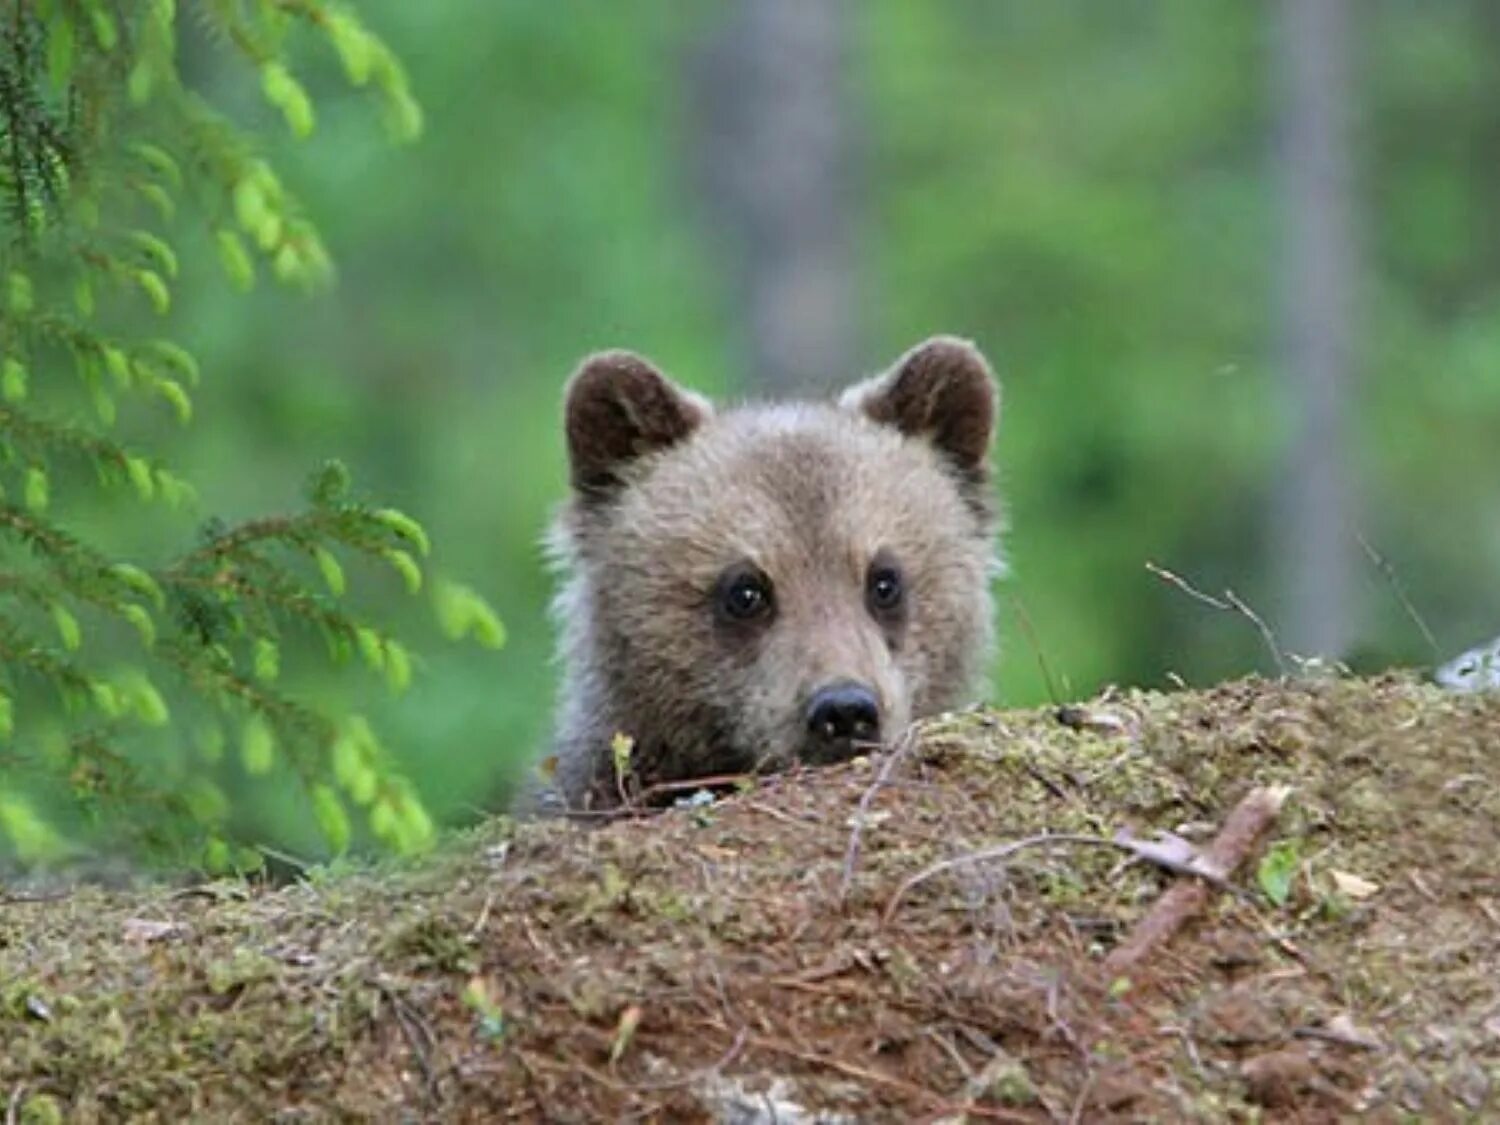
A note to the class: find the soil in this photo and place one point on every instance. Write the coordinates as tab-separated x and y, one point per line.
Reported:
895	939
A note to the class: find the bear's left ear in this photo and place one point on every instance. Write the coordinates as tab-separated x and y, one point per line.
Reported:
941	391
618	408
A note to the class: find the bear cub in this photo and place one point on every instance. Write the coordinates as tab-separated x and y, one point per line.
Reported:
790	582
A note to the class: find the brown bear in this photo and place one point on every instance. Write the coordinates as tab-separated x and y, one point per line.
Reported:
770	584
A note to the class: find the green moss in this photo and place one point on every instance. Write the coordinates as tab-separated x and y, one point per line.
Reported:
753	938
41	1109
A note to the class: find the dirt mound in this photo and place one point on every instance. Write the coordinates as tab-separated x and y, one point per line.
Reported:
898	939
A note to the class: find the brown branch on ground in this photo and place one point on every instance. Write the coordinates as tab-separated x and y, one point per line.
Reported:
1246	824
694	784
639	805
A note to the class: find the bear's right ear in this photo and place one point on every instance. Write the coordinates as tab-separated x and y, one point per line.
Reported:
942	391
620	407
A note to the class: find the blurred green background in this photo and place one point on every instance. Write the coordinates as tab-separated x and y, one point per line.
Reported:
1218	289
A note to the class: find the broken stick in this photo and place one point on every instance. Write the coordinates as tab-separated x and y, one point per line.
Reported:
1246	824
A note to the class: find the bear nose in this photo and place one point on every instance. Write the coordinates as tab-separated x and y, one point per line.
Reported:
843	713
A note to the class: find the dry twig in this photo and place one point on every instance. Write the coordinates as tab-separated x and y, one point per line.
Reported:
1388	572
1029	632
851	853
1341	1032
25	897
1081	1101
1245	825
1229	603
988	855
421	1044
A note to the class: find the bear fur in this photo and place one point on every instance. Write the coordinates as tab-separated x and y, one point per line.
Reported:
769	584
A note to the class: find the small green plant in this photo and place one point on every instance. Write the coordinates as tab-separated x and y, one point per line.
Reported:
122	681
1277	869
488	1014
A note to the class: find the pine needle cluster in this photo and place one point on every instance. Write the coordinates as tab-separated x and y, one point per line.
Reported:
125	684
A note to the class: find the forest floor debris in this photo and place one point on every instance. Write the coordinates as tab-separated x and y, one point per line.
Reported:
835	945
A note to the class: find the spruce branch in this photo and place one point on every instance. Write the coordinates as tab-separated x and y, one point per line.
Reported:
96	129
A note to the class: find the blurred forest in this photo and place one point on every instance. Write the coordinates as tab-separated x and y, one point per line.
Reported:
1238	265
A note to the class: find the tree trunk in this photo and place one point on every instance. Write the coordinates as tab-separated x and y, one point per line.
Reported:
1314	517
773	142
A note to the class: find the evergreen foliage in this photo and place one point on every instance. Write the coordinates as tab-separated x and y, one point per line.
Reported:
122	681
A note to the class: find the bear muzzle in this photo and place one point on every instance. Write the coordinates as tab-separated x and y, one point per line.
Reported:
843	720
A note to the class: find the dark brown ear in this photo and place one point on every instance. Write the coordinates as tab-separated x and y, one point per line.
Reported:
620	407
942	391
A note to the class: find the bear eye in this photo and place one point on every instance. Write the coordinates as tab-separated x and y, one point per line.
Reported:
744	594
883	588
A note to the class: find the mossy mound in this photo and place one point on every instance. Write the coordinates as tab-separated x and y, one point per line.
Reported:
761	959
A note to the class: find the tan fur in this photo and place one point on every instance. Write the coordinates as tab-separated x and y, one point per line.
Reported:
668	494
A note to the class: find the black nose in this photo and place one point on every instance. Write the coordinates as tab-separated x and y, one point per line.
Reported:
841	714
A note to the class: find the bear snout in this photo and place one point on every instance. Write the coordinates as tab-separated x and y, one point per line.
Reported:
842	720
